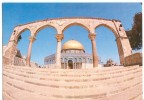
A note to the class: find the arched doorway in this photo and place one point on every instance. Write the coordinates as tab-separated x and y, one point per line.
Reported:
70	64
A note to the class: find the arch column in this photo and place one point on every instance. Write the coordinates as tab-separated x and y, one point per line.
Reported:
59	38
123	44
31	39
94	51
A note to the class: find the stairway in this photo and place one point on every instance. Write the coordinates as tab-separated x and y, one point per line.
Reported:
109	83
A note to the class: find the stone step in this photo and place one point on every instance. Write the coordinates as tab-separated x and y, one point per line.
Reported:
59	71
74	92
6	96
65	75
57	93
127	94
70	79
138	97
19	94
61	85
68	85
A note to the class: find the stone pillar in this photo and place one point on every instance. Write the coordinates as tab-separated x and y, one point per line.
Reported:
73	66
32	39
64	65
123	43
67	65
94	51
59	37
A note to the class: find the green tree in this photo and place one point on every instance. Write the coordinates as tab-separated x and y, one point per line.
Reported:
135	34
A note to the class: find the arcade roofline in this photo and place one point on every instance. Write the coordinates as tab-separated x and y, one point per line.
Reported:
48	19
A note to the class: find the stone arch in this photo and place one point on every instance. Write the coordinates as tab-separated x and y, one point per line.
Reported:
109	27
74	24
11	49
21	32
49	33
24	41
118	40
80	59
65	59
45	26
70	63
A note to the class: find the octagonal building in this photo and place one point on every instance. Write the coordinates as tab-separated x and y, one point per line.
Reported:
73	56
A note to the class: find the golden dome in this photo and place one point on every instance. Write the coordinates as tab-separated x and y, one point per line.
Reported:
72	45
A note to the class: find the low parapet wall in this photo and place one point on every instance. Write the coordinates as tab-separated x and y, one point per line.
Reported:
19	61
111	83
134	59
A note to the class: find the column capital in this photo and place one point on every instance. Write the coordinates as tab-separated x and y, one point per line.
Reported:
32	38
59	37
92	36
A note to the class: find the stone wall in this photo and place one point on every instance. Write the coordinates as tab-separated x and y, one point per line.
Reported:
6	61
134	59
19	61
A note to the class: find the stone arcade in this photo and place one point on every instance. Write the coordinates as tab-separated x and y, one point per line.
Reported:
60	24
22	82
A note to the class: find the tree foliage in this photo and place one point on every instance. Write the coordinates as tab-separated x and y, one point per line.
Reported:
135	34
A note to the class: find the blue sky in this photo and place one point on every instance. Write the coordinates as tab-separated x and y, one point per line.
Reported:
14	14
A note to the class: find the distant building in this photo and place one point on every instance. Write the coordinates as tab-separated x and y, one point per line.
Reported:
110	62
73	56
